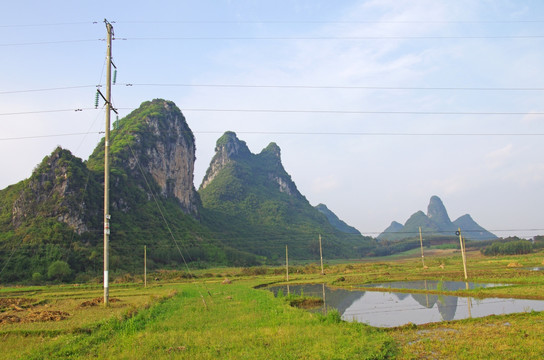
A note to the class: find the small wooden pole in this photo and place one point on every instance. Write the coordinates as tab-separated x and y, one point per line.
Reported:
324	300
286	263
421	243
145	265
321	255
463	253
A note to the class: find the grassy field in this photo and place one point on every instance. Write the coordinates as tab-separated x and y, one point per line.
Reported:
205	318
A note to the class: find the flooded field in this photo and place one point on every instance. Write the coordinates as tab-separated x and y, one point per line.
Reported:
389	309
433	285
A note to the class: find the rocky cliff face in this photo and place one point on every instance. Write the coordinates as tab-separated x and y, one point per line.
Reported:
276	172
57	189
166	150
152	145
227	149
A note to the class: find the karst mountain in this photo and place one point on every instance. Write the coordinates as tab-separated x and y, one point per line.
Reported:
436	223
247	210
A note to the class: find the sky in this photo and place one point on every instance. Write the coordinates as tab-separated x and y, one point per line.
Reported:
376	105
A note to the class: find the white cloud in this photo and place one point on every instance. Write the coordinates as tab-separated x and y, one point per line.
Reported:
499	157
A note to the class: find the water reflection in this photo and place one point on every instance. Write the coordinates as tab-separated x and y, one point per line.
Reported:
433	285
388	309
535	268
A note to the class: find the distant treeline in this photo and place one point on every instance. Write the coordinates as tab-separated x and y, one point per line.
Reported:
387	247
512	245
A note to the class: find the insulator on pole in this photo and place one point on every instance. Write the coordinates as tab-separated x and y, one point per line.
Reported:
114	76
96	100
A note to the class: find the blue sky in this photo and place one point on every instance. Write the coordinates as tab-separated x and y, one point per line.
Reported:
385	98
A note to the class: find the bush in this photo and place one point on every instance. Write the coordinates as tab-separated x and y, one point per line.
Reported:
59	270
37	278
332	317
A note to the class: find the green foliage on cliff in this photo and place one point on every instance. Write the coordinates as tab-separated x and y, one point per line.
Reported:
57	214
253	203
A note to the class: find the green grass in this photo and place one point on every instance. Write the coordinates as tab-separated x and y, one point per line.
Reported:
204	319
237	322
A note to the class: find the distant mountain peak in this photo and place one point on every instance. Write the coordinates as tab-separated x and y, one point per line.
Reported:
336	221
273	149
435	223
471	228
229	146
259	208
227	149
436	211
53	192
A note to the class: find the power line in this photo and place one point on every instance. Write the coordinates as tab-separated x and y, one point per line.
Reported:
533	113
367	133
50	24
50	136
292	133
336	87
423	37
46	111
362	112
51	42
46	89
222	38
331	22
269	86
234	22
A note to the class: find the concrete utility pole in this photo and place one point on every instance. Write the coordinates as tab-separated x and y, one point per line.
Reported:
107	216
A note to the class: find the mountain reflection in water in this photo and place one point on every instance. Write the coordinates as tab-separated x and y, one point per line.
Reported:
388	309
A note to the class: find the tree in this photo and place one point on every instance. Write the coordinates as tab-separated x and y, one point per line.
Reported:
59	270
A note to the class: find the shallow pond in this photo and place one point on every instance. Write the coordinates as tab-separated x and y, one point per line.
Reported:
432	285
535	268
388	309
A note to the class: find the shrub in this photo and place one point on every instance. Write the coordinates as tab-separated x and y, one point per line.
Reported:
37	278
59	270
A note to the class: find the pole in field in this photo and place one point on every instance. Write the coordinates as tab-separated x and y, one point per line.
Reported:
321	255
107	216
145	265
421	243
461	242
286	263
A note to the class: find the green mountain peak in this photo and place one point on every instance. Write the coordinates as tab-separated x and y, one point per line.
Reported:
154	140
253	201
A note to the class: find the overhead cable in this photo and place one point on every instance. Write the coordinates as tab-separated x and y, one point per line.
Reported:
369	37
50	135
355	87
363	112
